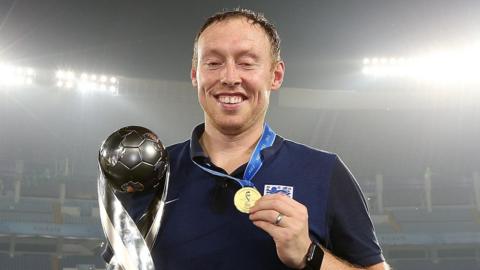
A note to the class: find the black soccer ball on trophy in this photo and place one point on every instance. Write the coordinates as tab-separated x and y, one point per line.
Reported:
133	159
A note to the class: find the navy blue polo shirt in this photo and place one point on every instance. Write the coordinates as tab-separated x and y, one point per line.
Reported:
202	229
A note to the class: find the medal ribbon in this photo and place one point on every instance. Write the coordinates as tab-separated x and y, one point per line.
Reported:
255	162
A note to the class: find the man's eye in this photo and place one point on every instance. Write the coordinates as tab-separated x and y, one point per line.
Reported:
213	64
246	64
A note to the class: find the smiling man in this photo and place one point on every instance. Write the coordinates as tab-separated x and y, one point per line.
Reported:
235	67
243	197
321	224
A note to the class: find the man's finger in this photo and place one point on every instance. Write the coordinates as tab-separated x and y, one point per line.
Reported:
273	230
279	205
270	216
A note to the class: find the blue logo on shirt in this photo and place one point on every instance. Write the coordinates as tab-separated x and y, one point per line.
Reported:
272	189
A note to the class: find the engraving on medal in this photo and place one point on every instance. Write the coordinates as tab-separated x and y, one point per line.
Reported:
245	198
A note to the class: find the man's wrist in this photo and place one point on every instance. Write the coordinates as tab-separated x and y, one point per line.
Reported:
314	257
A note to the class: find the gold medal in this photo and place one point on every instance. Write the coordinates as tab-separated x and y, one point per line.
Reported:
245	198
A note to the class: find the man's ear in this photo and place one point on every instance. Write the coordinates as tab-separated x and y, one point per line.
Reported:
278	74
193	76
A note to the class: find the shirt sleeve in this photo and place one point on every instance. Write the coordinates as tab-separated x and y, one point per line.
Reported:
351	235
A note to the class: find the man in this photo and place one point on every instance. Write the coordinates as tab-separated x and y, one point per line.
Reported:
318	221
236	64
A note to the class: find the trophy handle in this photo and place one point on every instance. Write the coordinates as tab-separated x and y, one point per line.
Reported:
113	265
158	209
155	209
128	244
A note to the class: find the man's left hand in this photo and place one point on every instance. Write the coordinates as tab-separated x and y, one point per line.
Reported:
286	221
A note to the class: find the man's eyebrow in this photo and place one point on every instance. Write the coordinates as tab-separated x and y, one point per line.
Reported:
211	52
248	53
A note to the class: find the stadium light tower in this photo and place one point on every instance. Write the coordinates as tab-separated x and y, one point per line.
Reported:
11	75
446	66
87	82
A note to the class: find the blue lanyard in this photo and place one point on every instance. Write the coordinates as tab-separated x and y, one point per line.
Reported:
255	162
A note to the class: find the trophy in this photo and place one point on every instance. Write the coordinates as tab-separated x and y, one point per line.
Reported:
132	159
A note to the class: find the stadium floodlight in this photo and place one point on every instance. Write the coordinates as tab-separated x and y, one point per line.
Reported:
69	84
60	74
86	82
70	75
65	79
448	66
11	75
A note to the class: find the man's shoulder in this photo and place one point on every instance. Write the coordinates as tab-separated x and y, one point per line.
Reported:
178	146
293	147
179	151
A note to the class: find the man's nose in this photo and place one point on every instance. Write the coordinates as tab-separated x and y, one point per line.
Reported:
230	75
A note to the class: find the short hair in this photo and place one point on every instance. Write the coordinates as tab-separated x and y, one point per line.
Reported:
254	18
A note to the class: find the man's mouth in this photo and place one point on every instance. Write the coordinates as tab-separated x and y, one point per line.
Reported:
229	99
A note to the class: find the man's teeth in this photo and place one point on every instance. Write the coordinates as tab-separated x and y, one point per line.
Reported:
230	99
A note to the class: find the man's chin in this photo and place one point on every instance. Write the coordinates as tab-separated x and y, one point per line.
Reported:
231	127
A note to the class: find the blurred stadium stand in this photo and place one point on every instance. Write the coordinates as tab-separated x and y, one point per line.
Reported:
49	219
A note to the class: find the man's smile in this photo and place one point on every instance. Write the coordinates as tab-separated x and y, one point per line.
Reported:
230	98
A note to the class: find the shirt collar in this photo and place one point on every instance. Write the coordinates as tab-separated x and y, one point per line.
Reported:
197	153
196	150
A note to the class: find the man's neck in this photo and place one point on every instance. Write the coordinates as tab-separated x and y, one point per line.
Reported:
230	151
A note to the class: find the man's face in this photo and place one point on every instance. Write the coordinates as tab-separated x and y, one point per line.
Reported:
234	74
